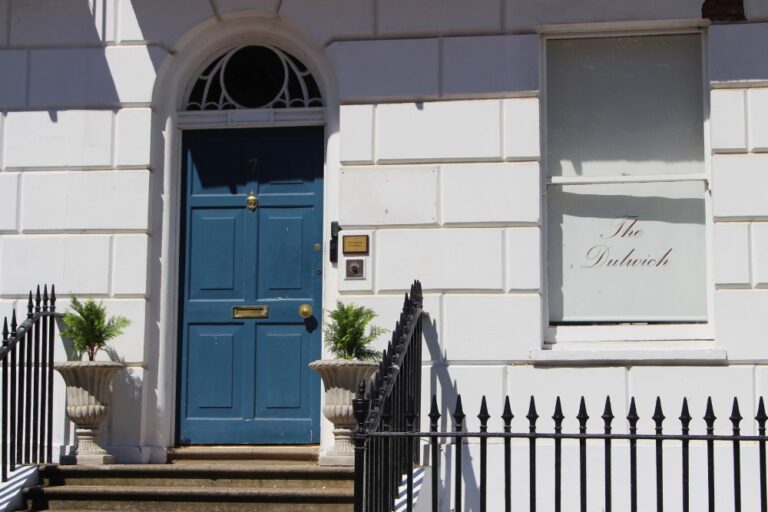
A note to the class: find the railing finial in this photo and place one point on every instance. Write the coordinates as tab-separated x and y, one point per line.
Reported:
434	414
658	415
458	413
5	331
608	413
30	306
410	415
632	417
761	417
360	407
483	416
558	416
709	417
507	415
532	415
685	416
735	416
582	416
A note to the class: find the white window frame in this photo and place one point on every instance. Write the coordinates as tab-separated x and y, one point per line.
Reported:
694	333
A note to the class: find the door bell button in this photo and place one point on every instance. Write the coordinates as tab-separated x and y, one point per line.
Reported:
355	269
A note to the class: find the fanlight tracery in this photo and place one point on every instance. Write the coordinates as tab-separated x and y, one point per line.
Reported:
254	77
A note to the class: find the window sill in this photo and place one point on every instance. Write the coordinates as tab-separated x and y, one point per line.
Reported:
627	333
637	356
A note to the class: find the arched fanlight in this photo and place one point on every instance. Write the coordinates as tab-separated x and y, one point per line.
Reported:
254	77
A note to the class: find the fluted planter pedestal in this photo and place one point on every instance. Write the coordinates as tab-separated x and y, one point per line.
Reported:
341	379
88	391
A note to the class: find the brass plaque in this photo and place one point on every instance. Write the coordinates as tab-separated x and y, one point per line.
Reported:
250	312
355	244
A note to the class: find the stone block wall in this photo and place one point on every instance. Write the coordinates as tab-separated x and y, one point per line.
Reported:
437	157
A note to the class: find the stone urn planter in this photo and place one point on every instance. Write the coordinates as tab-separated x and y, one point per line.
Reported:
341	378
88	391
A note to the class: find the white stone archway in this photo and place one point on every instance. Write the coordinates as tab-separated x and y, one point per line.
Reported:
194	49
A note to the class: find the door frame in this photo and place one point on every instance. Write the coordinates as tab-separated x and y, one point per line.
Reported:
160	394
315	407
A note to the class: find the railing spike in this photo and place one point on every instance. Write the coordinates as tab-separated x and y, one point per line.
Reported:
13	323
5	331
483	416
53	297
507	414
386	415
608	412
735	414
761	417
410	414
434	412
709	415
685	416
361	389
558	415
45	297
709	418
30	306
360	407
38	299
632	417
458	412
658	414
532	414
582	416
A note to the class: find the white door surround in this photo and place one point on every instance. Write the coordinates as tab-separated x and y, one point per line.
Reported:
194	49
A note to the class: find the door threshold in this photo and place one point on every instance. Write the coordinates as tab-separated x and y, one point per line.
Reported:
264	454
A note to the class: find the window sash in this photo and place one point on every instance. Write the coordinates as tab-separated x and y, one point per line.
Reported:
627	331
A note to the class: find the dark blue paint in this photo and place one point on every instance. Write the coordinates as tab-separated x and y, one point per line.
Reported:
246	381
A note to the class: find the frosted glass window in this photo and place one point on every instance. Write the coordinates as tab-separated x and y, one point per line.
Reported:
627	252
622	246
624	106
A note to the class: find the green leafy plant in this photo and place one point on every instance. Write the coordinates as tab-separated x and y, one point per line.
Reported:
86	324
345	334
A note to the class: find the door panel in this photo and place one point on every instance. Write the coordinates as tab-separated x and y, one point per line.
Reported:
219	350
246	380
278	356
216	259
283	266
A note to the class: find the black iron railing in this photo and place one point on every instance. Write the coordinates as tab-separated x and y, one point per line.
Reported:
657	441
390	405
27	384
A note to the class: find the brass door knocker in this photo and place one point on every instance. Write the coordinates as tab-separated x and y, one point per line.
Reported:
252	201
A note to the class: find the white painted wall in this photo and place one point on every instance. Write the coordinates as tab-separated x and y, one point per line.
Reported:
437	157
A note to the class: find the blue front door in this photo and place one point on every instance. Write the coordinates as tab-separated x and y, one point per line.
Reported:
251	258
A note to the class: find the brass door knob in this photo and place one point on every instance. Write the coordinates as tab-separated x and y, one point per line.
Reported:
305	310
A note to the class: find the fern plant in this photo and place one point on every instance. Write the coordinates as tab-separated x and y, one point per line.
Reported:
345	334
88	327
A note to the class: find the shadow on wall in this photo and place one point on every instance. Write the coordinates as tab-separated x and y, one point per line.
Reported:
440	378
68	78
125	411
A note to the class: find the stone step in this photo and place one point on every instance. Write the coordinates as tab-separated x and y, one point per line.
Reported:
174	498
233	474
277	454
